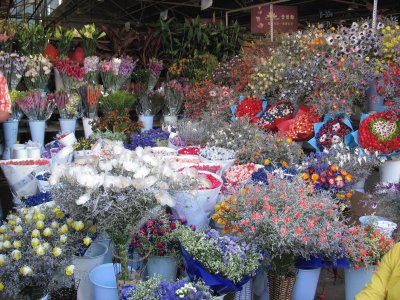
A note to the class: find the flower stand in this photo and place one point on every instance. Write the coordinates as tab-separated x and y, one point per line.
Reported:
147	122
165	267
67	125
93	257
87	128
355	280
10	129
306	283
37	128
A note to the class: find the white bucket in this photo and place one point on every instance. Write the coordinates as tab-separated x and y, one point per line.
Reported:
68	140
355	280
359	186
306	284
10	129
147	122
93	257
67	125
390	171
386	227
87	128
37	129
104	282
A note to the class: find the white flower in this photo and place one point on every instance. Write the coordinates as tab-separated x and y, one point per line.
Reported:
150	159
142	172
336	127
164	198
336	139
83	199
26	271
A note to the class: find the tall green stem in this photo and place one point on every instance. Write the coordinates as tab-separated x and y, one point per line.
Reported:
123	256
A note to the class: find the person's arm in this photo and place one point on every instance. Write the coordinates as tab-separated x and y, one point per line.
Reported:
5	100
376	289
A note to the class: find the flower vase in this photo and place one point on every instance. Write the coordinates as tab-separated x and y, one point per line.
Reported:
87	128
10	129
390	171
104	282
147	122
246	293
375	100
37	128
92	258
355	280
170	120
359	186
166	267
280	287
306	283
68	125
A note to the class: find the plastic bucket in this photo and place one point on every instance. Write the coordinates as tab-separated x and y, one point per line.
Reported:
165	267
390	171
37	129
87	128
67	125
306	284
386	227
10	129
147	122
359	186
68	140
355	281
104	282
93	257
246	293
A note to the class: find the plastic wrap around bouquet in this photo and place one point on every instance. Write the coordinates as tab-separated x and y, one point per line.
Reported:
334	129
217	283
197	206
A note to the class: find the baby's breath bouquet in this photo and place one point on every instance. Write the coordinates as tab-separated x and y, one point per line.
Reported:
222	262
118	193
35	245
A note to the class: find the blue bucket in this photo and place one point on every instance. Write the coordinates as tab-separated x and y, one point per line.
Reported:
104	282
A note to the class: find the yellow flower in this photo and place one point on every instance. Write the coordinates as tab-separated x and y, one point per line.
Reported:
78	225
63	238
59	214
69	270
267	161
2	260
1	286
38	216
64	228
40	251
35	242
16	255
35	233
39	224
17	244
25	211
70	221
48	232
18	229
3	229
284	164
28	218
87	241
7	244
288	141
92	229
57	251
279	140
26	271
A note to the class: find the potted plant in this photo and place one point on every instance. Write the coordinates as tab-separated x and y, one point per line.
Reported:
156	243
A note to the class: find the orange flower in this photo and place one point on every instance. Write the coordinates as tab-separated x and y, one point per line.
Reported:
348	177
305	176
314	177
333	168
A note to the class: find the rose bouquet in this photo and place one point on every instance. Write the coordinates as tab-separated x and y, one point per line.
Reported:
72	74
36	105
331	132
68	105
36	244
380	132
278	218
222	262
37	72
249	107
148	138
116	73
91	67
154	289
365	246
12	65
275	114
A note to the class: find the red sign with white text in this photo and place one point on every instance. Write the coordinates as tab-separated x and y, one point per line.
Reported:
285	19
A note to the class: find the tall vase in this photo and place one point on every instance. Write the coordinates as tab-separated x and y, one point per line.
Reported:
375	100
10	129
165	267
355	280
280	288
390	171
87	128
68	125
37	128
306	284
93	257
147	122
246	293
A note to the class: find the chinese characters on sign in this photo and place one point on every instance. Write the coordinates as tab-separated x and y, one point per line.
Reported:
285	19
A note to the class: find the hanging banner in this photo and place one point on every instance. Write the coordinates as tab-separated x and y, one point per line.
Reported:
285	19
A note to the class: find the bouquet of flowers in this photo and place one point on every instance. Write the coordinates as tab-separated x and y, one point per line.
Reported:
155	67
217	153
67	104
36	105
83	144
151	103
37	72
148	138
91	66
365	246
90	97
155	290
197	98
119	101
116	72
12	65
239	173
289	221
190	133
226	215
36	245
72	74
156	237
15	96
174	97
332	132
90	36
221	98
249	107
380	132
222	262
276	114
64	38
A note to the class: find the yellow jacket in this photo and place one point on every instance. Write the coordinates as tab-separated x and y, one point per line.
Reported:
385	283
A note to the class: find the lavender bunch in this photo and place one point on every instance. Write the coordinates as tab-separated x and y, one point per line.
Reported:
148	138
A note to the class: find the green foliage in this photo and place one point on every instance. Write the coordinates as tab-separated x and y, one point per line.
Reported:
32	40
120	101
64	38
141	76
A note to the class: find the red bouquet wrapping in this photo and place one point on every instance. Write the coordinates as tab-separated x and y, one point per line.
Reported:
275	114
301	127
380	132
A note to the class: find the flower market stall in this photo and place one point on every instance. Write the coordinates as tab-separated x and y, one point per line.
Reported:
199	169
